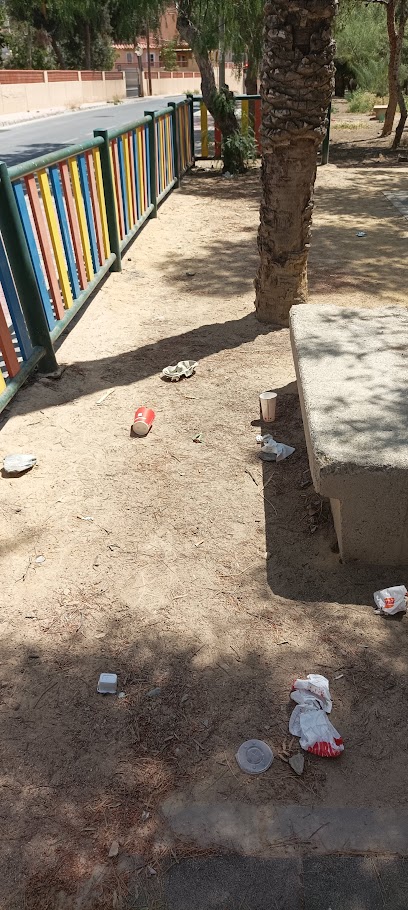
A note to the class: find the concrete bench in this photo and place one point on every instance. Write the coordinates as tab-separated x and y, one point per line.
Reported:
380	110
352	371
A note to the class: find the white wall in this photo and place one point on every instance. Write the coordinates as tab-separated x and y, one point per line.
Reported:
176	83
34	96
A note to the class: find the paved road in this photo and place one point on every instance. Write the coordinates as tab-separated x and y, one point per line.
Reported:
21	143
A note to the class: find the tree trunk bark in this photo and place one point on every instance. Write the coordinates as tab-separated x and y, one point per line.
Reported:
402	120
251	79
87	46
287	177
29	48
297	78
393	69
58	52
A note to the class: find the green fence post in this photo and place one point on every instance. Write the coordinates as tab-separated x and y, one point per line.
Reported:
23	273
177	167
192	140
326	140
109	190
152	161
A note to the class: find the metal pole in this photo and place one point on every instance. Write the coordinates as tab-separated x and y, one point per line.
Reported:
109	190
152	161
177	167
191	103
326	140
23	273
149	67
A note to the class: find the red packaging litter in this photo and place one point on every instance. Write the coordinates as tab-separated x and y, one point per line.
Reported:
143	420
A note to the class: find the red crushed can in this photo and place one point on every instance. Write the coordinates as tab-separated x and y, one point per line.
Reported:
143	420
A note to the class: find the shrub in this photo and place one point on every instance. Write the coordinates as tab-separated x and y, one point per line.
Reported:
238	151
361	102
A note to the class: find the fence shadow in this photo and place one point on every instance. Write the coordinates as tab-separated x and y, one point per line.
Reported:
87	376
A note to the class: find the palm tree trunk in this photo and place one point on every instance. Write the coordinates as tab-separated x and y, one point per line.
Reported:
297	78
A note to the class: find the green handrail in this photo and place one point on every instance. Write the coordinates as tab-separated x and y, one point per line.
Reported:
43	161
128	127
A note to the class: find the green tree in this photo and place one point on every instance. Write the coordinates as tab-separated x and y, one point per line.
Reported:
198	24
370	36
361	44
66	33
244	26
397	15
169	56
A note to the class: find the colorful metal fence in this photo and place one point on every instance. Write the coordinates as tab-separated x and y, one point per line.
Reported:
164	145
208	135
65	219
185	132
61	206
17	355
129	151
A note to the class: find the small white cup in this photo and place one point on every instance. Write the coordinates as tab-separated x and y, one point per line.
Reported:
268	406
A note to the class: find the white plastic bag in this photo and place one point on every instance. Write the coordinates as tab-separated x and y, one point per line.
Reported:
391	600
317	734
314	687
272	450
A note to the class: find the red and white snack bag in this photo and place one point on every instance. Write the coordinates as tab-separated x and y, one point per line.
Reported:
391	600
314	686
317	734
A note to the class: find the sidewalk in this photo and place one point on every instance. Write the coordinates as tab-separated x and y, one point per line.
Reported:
309	883
190	570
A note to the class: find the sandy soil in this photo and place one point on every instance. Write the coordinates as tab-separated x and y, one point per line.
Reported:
202	572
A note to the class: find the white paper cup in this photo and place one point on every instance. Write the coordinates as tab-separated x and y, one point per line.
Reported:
268	406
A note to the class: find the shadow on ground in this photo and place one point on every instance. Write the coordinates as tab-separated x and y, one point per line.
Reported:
85	377
95	769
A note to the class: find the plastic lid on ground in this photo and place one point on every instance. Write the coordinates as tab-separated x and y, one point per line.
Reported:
254	756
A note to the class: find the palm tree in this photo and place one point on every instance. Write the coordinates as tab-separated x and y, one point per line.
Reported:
297	77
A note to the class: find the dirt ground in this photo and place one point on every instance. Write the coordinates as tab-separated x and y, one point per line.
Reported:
189	568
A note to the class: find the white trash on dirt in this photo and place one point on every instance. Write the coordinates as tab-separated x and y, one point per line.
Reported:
18	464
391	600
314	685
309	719
272	450
182	370
107	684
316	733
254	756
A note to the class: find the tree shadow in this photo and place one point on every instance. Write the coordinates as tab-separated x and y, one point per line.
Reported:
84	770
